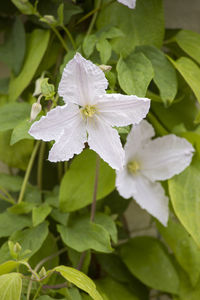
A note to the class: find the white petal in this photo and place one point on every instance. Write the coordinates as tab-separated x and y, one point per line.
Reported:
82	81
129	3
71	141
150	196
121	110
51	126
124	183
165	157
105	140
139	135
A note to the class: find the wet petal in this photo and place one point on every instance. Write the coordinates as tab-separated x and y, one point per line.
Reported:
121	110
165	157
105	140
51	126
82	81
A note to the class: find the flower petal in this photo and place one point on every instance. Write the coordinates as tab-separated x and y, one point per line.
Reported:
138	136
51	126
106	142
165	157
129	3
82	81
121	110
70	142
149	195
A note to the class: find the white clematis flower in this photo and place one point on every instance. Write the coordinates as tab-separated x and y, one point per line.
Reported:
129	3
150	160
89	115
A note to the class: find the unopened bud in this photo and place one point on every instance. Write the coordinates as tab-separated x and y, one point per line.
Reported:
105	68
17	248
35	110
42	272
48	19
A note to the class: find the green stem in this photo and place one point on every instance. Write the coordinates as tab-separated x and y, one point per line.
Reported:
8	197
28	171
94	18
156	124
60	38
69	36
40	165
37	292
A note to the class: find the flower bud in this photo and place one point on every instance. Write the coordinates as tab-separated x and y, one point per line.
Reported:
42	272
35	110
105	68
48	19
14	249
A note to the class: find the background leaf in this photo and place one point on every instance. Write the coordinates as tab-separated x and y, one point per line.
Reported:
10	286
76	190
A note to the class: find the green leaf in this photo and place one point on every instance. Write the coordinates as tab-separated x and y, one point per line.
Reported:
131	22
48	248
10	286
111	33
184	193
89	43
4	84
16	156
148	261
76	190
8	266
13	50
135	74
40	213
83	235
20	132
113	290
189	41
105	50
185	249
80	280
12	114
60	13
24	6
108	223
31	239
36	46
59	216
10	223
190	72
164	72
10	182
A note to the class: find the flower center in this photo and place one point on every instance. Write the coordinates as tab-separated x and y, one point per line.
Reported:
88	111
133	167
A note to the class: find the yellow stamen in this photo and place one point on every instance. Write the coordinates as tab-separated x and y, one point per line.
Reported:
88	111
133	167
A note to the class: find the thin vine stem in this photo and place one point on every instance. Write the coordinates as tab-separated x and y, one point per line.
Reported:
6	196
40	165
94	18
69	36
28	171
57	33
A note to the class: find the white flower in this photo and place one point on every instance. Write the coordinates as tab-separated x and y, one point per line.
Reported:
129	3
89	115
148	161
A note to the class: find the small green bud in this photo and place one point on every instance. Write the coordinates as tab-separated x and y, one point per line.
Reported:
42	272
47	89
48	19
14	249
105	68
